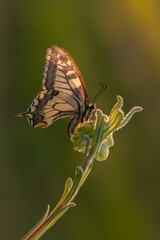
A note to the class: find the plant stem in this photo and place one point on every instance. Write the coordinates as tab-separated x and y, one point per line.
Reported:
72	194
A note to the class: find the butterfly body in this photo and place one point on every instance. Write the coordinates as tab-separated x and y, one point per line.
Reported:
64	93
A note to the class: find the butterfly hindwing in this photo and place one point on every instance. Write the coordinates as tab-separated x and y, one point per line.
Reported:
50	106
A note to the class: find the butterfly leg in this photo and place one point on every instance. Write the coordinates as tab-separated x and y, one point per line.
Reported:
72	124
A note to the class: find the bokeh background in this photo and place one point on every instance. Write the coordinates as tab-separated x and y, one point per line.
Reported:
117	42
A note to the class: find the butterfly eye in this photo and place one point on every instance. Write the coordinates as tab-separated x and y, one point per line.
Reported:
93	106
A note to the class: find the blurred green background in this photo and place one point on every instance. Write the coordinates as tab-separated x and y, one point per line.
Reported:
117	42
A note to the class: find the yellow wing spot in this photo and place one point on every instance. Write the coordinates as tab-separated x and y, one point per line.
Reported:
41	95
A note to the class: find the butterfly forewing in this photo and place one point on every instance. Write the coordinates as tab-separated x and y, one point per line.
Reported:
61	69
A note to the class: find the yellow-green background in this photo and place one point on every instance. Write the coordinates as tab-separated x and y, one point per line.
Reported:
117	42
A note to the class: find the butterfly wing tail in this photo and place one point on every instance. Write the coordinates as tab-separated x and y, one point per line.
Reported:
19	115
34	120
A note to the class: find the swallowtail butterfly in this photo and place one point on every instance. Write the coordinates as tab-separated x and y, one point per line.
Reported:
64	93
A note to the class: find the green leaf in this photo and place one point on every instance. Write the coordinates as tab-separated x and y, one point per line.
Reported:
116	108
129	115
104	149
115	123
67	188
83	135
74	189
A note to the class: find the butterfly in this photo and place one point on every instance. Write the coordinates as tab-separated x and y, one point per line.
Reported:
64	93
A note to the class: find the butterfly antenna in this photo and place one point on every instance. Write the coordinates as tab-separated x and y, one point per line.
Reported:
102	89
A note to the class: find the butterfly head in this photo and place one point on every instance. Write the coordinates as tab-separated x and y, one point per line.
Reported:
91	109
